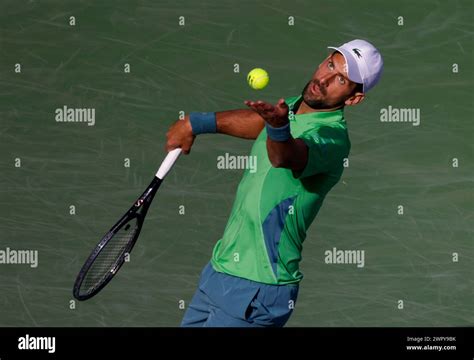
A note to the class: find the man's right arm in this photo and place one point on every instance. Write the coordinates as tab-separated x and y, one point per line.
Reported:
242	123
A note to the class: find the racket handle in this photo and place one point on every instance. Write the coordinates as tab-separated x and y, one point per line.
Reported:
168	163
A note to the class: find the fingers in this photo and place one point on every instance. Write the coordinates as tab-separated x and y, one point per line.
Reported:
186	148
184	143
170	146
180	135
253	104
259	106
282	103
264	105
274	115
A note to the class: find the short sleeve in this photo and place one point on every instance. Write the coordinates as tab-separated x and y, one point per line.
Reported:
327	148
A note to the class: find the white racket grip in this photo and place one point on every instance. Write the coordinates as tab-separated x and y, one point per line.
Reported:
168	163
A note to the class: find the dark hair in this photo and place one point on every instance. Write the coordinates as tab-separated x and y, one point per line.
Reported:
358	88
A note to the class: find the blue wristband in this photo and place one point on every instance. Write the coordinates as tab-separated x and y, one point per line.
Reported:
203	123
278	133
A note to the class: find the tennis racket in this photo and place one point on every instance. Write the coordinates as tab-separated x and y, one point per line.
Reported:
110	254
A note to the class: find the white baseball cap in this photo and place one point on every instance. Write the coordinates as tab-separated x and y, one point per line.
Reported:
364	62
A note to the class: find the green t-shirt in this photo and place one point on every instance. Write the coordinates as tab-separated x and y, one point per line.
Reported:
274	207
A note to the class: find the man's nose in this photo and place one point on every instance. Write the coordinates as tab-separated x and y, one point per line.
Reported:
324	80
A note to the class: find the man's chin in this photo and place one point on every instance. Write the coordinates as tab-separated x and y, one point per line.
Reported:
315	103
320	104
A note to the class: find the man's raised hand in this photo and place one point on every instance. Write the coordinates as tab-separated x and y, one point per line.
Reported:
275	115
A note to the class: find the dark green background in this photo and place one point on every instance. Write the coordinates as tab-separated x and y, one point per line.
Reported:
190	68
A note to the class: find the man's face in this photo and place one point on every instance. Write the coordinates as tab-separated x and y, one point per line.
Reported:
329	86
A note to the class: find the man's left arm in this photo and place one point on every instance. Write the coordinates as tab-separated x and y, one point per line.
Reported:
284	151
290	154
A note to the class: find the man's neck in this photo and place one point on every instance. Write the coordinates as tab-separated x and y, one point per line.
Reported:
305	108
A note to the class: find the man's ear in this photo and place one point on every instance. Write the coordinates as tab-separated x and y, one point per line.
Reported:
355	99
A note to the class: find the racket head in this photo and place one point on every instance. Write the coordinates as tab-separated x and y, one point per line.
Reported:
110	253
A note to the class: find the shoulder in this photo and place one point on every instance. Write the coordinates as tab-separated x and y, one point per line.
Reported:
332	133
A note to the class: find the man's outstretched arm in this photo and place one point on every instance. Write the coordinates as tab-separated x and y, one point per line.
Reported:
242	123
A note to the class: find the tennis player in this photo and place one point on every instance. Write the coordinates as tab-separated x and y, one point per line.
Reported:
300	145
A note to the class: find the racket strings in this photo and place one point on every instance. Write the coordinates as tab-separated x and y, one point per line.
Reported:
109	257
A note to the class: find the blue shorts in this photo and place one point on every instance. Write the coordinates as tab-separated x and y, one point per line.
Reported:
223	300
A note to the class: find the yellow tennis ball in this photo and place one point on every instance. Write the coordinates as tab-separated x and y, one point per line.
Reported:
258	78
